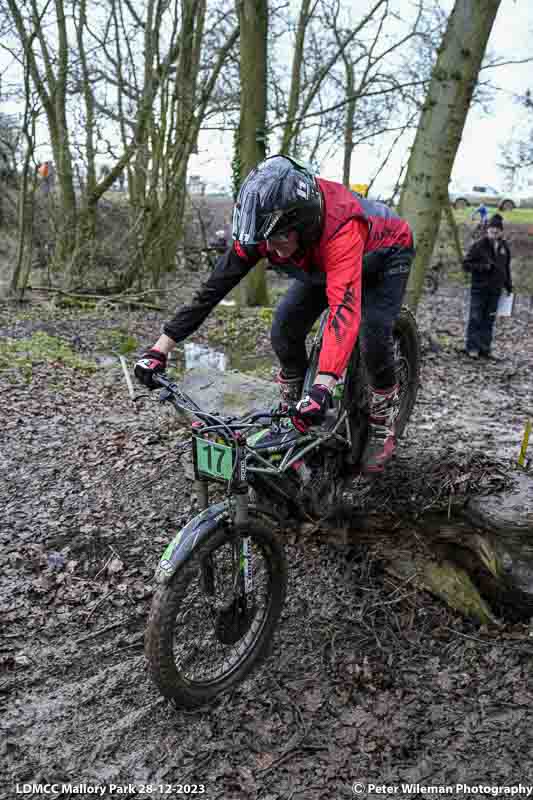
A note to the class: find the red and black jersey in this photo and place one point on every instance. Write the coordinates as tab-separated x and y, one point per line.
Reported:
355	230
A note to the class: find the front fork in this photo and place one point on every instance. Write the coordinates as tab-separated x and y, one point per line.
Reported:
242	556
202	495
243	547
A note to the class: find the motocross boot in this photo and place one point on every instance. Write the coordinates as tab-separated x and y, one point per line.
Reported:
381	442
290	389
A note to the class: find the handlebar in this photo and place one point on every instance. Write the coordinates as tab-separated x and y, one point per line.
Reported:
233	427
172	393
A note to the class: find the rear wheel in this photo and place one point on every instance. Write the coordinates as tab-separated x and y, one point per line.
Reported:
215	619
460	203
355	402
407	365
356	392
407	368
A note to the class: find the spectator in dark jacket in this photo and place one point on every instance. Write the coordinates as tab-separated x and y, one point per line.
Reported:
489	262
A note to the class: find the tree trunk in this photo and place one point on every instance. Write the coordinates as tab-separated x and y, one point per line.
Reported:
26	210
253	19
61	144
425	190
348	132
26	197
454	230
86	232
296	78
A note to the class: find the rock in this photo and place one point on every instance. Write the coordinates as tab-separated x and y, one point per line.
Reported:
229	392
115	565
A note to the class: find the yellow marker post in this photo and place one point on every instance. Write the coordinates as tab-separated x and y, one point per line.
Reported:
525	442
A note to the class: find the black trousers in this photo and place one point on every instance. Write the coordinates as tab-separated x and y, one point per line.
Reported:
480	329
383	291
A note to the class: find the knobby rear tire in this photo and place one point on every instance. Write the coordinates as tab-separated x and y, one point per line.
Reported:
166	605
355	399
406	332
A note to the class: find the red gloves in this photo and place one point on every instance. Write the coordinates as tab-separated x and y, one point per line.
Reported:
312	409
151	361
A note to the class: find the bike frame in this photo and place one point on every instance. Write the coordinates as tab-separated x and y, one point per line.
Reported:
247	467
233	431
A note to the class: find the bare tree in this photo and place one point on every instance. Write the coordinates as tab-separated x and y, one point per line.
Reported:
301	97
158	179
362	90
163	67
49	74
26	183
307	9
425	190
367	69
518	152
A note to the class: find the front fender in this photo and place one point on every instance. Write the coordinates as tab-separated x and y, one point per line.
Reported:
189	537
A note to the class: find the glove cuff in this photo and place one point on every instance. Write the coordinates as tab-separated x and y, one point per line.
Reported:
157	354
323	391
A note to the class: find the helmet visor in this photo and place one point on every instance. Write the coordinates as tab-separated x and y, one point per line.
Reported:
245	218
250	227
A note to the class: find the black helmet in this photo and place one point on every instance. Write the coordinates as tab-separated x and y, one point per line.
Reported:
278	196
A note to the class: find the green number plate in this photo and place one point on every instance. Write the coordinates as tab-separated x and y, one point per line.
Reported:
215	460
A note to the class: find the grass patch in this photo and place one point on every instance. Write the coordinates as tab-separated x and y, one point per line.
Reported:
266	315
117	340
18	357
519	216
75	303
235	327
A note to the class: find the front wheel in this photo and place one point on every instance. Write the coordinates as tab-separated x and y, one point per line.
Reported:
215	619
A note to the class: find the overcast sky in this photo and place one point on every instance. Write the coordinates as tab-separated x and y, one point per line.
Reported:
484	134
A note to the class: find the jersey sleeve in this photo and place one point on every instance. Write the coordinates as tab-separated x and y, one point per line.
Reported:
343	258
229	270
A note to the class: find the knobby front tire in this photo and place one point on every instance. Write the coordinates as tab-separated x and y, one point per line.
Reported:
184	643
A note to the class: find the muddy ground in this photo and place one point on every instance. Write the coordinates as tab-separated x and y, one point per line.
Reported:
369	680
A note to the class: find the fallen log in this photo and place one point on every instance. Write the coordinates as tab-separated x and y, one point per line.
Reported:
119	299
474	550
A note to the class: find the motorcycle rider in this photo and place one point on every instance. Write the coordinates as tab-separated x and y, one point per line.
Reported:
346	253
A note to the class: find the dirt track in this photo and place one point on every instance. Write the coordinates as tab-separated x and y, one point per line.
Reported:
369	680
